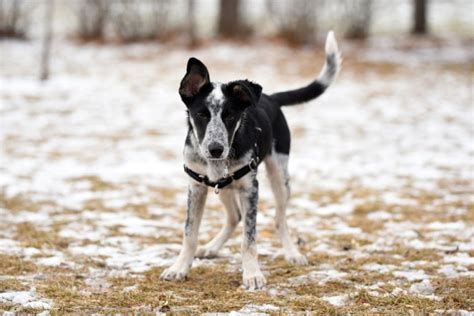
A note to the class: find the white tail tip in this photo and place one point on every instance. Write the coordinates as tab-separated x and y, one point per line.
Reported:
331	44
333	61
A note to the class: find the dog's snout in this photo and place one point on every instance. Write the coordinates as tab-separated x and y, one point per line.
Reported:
216	149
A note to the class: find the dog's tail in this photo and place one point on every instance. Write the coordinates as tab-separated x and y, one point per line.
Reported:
327	75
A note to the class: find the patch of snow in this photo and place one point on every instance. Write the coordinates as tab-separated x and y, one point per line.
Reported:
24	298
54	261
460	258
411	275
334	209
252	309
455	226
449	271
456	312
379	215
424	288
321	276
130	288
380	268
397	291
337	300
37	305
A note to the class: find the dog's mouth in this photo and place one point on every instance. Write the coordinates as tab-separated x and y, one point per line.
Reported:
216	159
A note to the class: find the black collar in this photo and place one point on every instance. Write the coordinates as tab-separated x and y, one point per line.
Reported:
223	182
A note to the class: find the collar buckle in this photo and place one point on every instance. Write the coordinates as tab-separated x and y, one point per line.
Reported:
253	163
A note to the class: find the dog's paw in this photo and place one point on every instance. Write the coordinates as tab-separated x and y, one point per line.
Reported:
254	282
206	253
296	259
174	274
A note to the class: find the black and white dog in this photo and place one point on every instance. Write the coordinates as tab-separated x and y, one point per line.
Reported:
232	128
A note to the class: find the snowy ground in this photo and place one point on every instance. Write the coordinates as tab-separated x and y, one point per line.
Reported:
92	192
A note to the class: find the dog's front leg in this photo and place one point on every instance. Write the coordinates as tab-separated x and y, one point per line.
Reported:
253	278
197	194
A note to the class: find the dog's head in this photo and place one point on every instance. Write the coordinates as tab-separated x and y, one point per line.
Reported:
215	110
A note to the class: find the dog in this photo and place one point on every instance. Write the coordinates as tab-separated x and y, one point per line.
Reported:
232	128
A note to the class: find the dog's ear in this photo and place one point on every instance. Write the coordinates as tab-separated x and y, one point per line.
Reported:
195	79
247	92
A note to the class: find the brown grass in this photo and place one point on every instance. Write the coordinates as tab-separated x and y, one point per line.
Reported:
31	236
14	265
17	203
12	285
96	183
209	289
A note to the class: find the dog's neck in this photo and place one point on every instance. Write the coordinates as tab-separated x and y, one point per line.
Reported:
213	169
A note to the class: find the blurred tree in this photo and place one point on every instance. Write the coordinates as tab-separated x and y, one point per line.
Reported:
139	20
92	17
47	39
191	23
230	22
297	20
420	8
357	18
14	18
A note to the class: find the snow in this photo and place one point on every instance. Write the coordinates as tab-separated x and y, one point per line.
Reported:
254	309
424	288
411	275
26	299
337	300
335	209
381	268
460	258
51	261
321	276
380	215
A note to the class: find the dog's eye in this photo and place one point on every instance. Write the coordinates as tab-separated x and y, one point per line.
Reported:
202	115
229	118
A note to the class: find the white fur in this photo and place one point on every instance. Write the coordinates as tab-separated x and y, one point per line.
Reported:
216	130
253	278
326	77
194	127
197	199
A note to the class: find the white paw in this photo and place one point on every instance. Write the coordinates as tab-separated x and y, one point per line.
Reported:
206	253
174	273
296	258
254	282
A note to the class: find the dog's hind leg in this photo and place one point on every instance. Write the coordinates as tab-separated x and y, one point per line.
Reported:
277	170
211	249
197	194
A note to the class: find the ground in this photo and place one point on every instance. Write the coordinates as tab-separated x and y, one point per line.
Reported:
92	191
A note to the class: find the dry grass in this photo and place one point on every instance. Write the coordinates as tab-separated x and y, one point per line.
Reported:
12	285
96	183
218	287
17	203
13	265
31	236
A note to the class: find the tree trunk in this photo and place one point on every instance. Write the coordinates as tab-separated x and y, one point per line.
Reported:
192	23
419	17
229	19
47	38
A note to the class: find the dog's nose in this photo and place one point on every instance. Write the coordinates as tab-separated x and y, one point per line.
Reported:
216	149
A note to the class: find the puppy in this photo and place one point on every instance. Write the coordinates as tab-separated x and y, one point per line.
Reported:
232	128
